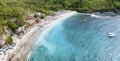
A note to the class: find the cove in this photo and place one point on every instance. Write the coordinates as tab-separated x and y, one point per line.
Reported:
80	37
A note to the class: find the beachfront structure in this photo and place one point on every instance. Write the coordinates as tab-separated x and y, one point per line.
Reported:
30	20
48	17
19	31
40	14
37	20
59	12
29	16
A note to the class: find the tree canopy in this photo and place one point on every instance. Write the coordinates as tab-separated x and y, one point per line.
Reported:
12	12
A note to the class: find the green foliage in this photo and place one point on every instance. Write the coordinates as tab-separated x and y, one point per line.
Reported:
42	17
13	26
117	4
9	40
10	9
36	16
18	8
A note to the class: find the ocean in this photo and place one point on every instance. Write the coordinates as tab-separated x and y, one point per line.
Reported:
81	37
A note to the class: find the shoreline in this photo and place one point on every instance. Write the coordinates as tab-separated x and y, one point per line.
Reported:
23	50
102	10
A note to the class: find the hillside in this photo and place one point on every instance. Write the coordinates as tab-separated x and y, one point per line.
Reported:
17	9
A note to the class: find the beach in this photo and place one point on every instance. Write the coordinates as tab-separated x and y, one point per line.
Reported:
26	44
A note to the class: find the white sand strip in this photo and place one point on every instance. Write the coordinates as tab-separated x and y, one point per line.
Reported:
21	51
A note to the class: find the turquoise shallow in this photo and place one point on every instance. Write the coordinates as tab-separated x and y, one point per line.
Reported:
80	38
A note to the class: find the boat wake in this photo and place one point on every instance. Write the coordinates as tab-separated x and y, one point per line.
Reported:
99	16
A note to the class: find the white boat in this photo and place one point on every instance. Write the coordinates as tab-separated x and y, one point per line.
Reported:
111	34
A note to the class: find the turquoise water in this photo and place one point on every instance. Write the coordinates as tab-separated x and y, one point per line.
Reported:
80	38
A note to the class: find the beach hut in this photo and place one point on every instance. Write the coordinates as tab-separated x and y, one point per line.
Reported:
29	16
37	20
19	31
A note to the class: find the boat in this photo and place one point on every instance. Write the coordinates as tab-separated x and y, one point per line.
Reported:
111	34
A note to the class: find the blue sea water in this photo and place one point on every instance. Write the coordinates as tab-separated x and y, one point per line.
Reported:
80	38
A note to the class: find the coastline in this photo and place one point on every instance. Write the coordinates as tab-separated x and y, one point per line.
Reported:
24	48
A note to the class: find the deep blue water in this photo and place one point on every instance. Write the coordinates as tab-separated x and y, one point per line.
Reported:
80	38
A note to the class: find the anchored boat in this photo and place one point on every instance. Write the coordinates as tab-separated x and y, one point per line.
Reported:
111	34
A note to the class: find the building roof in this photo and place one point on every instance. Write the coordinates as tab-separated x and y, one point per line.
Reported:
29	16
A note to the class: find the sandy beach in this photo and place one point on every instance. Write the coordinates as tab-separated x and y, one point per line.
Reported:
25	45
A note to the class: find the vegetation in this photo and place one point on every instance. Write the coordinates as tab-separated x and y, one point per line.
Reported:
36	16
12	12
9	40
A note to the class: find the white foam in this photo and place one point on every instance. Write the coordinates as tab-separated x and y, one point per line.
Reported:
28	55
97	16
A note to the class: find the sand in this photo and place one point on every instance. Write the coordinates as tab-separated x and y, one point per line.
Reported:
25	45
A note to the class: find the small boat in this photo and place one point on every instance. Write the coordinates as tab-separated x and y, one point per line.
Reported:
111	34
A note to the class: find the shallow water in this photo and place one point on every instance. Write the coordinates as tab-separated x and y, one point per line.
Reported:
80	38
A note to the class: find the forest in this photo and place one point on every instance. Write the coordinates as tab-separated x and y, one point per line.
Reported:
12	12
